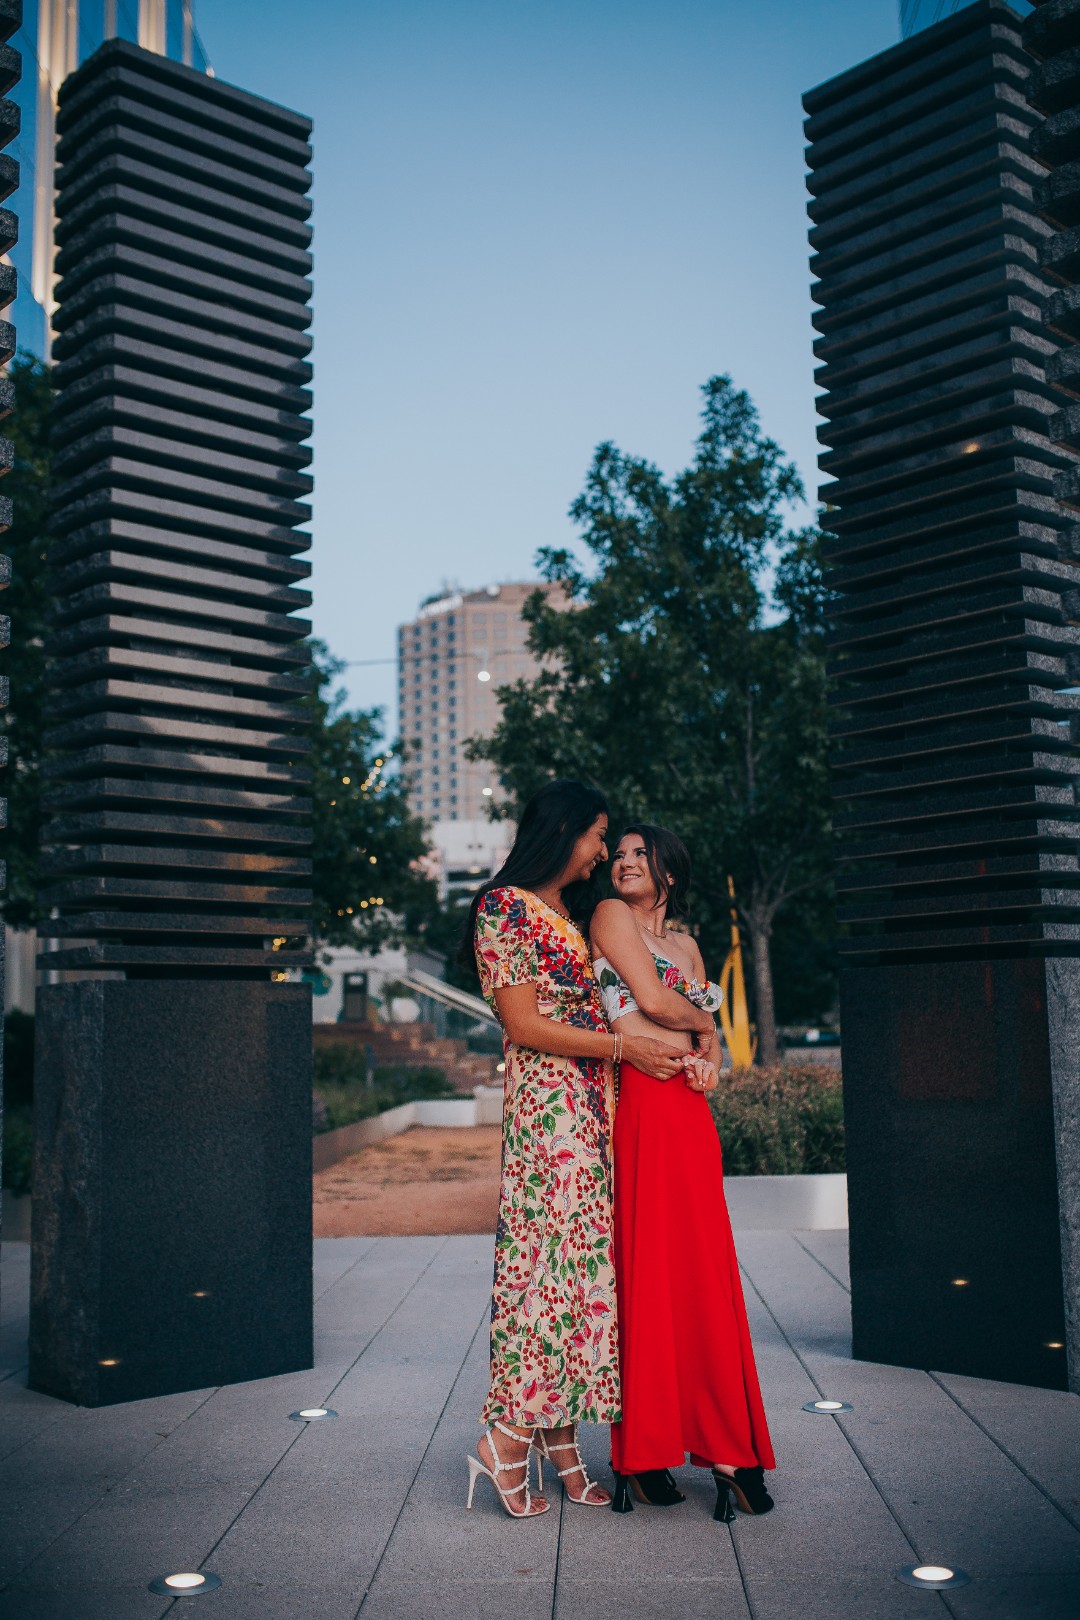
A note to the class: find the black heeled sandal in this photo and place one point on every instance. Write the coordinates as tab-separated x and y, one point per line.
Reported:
653	1486
747	1486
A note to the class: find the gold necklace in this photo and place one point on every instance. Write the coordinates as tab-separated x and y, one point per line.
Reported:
656	933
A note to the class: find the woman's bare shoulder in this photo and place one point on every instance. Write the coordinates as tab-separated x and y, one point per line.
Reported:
610	917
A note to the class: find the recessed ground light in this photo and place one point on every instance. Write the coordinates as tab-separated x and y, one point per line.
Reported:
932	1577
312	1414
829	1408
201	1293
185	1584
110	1361
960	1282
1055	1344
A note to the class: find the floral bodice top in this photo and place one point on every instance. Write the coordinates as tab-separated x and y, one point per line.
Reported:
520	940
618	998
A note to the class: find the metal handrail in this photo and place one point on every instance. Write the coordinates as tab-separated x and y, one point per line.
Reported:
450	996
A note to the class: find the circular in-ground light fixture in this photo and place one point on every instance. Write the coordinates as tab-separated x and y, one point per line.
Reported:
933	1577
827	1408
185	1584
312	1414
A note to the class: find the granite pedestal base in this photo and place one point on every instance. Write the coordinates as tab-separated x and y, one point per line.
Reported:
961	1096
172	1186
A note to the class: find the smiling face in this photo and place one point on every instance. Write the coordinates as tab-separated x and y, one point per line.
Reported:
630	875
589	852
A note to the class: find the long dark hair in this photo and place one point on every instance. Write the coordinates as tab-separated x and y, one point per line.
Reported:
551	824
667	855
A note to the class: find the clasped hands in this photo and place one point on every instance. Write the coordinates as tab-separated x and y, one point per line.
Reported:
700	1074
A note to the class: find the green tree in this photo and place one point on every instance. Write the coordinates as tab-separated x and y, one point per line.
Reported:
369	885
666	684
27	485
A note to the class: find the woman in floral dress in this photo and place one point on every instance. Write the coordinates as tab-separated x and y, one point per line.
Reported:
553	1326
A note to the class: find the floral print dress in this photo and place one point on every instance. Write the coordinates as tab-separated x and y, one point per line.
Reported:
553	1326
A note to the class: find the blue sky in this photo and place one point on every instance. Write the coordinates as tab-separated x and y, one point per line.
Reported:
539	224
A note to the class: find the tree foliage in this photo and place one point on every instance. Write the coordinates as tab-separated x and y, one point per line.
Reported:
27	485
369	885
667	685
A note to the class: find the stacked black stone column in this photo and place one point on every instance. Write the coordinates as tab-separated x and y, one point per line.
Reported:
172	1176
1052	35
10	72
955	644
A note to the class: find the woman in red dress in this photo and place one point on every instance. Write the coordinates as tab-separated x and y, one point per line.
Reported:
689	1383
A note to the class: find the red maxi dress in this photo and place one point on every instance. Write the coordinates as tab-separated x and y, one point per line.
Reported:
689	1381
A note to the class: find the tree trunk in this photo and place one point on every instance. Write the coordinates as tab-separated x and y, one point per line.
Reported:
768	1049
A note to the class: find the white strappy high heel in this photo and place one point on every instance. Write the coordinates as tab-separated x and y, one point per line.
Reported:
544	1450
476	1468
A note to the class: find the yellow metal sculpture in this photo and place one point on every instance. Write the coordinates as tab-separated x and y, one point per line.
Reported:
734	1014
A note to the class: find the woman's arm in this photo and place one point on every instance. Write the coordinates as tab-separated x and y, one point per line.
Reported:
526	1026
708	1046
615	935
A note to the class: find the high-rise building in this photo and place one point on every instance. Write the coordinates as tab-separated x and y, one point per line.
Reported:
452	658
954	660
56	37
918	14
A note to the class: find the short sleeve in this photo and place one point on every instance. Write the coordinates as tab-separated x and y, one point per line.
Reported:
505	941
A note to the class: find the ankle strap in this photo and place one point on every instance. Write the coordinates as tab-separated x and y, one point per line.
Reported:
511	1434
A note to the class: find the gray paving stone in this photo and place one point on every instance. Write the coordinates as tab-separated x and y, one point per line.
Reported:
274	1600
99	1447
19	1427
86	1602
302	1522
134	1532
830	1250
316	1528
651	1599
333	1257
436	1540
649	1544
1034	1597
32	1519
878	1596
1041	1434
510	1599
919	1448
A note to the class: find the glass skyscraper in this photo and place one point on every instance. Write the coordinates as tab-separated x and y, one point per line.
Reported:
918	14
55	38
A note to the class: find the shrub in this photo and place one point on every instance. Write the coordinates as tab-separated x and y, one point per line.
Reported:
785	1120
18	1148
343	1063
345	1101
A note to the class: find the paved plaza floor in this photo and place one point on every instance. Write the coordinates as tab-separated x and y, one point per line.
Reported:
365	1515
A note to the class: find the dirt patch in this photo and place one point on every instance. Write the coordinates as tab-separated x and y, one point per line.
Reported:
428	1180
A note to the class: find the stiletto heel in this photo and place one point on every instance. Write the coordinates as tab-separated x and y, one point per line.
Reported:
622	1502
475	1467
544	1451
747	1486
723	1511
529	1510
